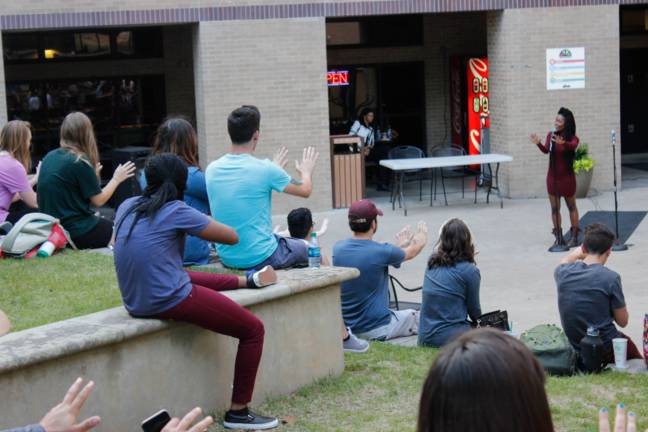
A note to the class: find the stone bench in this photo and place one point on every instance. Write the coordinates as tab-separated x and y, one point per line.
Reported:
143	365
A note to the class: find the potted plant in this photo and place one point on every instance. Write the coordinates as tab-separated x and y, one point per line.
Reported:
583	168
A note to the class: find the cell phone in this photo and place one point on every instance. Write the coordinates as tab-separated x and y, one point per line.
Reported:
156	422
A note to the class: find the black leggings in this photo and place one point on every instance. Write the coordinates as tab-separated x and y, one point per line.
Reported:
97	237
18	210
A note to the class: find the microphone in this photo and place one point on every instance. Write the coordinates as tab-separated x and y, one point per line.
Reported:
551	140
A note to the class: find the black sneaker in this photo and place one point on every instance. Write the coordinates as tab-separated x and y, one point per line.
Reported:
247	420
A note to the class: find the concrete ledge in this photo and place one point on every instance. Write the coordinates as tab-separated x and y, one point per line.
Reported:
141	365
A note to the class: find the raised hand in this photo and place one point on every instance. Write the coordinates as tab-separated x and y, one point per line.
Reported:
422	228
535	139
63	417
404	236
124	171
184	425
307	164
280	158
323	228
35	178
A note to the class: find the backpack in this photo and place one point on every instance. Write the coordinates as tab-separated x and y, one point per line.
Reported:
550	346
28	234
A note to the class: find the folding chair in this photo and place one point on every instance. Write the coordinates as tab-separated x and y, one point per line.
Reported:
394	303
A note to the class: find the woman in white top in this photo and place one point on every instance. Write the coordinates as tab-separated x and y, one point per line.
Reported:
363	127
373	150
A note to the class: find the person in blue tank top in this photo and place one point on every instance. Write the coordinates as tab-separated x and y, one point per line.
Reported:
176	135
450	287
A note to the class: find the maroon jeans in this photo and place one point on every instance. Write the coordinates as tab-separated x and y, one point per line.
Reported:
213	311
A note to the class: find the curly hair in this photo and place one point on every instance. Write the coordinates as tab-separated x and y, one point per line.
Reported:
455	245
570	123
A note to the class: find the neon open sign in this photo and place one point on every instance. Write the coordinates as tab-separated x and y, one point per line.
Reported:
337	78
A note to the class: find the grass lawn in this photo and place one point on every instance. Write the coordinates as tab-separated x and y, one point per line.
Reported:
44	290
69	284
379	391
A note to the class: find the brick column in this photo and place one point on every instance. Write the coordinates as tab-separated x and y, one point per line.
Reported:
521	104
279	66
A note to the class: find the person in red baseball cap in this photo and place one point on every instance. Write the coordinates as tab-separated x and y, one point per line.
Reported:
365	300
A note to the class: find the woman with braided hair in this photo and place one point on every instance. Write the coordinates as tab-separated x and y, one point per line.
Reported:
150	233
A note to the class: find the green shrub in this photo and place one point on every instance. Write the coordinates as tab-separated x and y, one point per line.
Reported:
582	160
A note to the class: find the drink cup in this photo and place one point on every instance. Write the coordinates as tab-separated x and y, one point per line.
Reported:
620	346
513	330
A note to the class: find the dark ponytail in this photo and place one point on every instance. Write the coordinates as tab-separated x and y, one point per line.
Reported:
166	180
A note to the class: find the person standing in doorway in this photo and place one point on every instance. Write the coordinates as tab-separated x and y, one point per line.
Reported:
561	145
373	149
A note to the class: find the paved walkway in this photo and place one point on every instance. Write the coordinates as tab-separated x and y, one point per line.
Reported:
516	269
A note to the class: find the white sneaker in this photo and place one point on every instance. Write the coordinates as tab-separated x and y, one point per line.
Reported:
264	277
354	344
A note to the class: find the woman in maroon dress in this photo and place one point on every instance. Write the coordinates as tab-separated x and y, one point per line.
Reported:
561	145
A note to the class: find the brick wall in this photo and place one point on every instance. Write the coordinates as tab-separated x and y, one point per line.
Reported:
279	66
445	35
521	104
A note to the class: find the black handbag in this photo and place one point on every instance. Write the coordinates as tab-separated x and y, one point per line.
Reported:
497	319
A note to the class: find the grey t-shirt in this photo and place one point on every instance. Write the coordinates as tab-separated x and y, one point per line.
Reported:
365	300
587	296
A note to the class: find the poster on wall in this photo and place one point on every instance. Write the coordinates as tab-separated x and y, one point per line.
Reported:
477	77
565	68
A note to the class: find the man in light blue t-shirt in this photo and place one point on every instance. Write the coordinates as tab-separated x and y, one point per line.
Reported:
365	300
239	187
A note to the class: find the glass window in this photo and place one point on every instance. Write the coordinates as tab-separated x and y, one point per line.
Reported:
79	45
20	47
634	20
124	111
125	43
67	44
379	31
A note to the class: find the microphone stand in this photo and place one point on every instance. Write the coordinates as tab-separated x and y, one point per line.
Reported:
618	246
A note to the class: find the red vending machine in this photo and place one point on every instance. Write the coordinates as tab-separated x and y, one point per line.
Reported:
469	110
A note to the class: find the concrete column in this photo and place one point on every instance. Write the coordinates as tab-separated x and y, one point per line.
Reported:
3	88
279	66
521	104
178	71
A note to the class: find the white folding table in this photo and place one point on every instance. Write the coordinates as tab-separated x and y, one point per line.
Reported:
401	166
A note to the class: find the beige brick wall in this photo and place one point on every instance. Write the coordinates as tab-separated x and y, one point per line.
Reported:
279	66
521	104
445	35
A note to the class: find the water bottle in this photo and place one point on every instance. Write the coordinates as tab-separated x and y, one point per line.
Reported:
314	256
591	350
46	249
